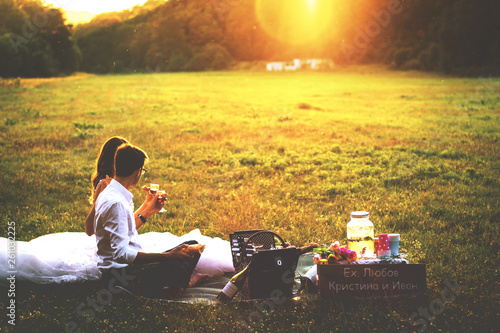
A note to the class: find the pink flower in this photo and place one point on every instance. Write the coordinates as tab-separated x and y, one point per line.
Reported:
352	256
335	246
342	251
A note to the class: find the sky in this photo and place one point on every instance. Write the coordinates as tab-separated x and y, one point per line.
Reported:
95	6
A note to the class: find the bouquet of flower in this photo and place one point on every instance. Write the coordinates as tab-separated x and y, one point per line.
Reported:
334	253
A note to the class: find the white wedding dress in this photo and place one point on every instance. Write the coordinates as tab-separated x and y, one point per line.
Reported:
72	256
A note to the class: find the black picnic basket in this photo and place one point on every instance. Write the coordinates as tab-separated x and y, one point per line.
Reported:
272	274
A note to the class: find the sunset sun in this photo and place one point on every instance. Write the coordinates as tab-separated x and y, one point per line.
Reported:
311	4
296	21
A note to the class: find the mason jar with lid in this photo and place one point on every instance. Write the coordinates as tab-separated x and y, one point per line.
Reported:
360	234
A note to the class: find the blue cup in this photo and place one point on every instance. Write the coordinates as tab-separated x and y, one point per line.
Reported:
394	244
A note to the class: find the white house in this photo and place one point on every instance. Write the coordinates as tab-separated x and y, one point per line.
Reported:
275	66
297	64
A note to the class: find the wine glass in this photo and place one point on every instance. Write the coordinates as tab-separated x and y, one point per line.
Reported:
162	199
153	188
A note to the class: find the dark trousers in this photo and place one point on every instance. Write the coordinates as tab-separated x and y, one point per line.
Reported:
149	279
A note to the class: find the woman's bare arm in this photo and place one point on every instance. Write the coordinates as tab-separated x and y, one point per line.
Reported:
89	221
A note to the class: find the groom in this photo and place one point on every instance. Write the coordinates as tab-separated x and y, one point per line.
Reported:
159	275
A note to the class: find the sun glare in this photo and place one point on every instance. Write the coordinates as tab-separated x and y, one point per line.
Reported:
296	21
311	4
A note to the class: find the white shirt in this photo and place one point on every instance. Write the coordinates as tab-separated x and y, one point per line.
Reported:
115	231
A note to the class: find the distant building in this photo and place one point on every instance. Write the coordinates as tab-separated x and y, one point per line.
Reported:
297	64
275	66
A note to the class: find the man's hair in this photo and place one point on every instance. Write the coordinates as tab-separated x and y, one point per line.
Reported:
129	159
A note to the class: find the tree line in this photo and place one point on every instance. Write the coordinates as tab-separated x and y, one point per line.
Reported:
457	37
35	41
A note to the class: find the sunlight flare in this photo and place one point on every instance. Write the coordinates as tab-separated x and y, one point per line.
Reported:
296	21
311	4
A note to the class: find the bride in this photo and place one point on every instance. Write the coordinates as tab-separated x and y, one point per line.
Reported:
42	261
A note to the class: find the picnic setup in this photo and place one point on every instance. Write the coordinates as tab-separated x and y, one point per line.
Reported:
252	265
264	268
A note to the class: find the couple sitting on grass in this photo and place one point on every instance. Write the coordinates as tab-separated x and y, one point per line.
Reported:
160	275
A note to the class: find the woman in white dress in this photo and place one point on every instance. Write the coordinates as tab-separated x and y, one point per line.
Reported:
42	261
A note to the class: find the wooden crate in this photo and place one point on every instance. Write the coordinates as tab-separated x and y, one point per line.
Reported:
372	280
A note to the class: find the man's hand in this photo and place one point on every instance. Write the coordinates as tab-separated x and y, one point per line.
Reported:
152	204
179	253
149	196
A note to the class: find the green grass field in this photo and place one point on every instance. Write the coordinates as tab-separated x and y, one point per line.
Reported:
290	152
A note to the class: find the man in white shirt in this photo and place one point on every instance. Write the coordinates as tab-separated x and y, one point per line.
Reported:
120	254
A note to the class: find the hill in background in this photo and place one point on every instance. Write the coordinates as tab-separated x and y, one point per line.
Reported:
75	18
456	37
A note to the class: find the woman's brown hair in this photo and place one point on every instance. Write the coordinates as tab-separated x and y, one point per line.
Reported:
105	162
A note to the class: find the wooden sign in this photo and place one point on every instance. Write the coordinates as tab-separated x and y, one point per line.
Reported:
375	280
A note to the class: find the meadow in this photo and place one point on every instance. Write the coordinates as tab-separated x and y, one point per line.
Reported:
291	152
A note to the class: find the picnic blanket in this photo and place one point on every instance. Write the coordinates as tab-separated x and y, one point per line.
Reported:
72	256
207	292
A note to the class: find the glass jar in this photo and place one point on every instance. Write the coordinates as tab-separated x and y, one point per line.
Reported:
360	234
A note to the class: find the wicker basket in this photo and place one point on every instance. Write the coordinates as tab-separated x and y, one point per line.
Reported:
273	270
238	239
